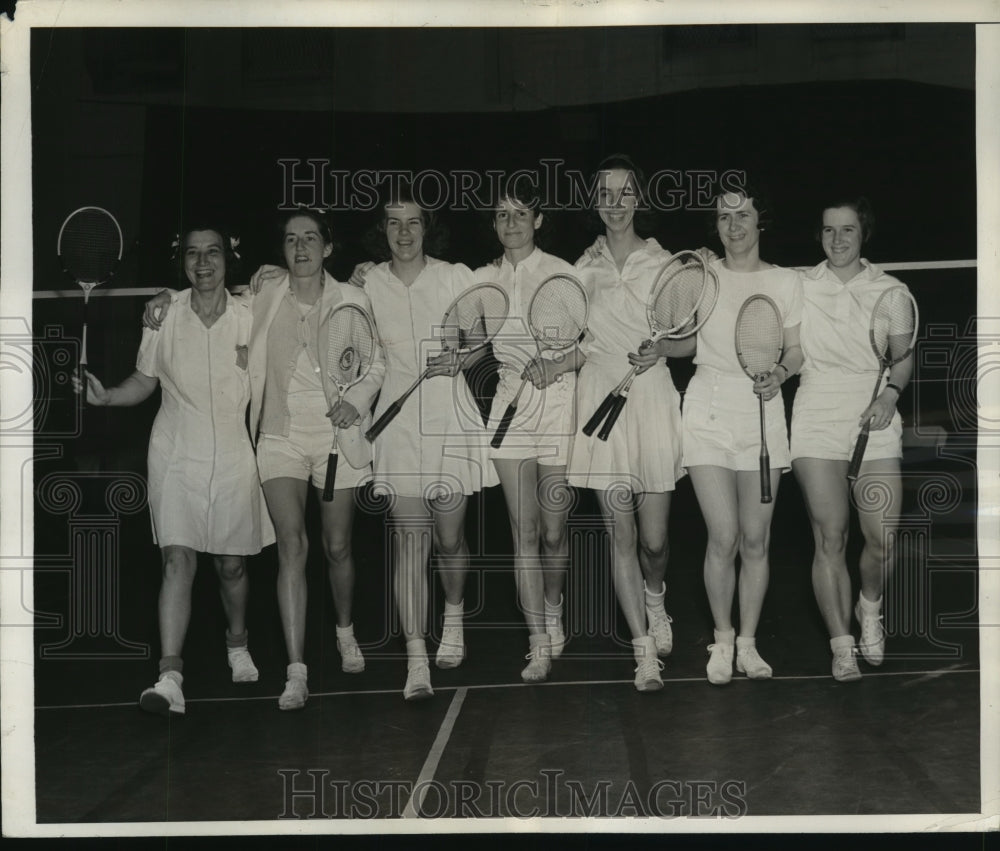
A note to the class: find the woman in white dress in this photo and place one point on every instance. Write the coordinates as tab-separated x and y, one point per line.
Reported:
832	403
633	473
204	494
531	461
294	410
432	456
722	433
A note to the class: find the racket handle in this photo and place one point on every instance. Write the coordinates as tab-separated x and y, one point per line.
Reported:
859	454
609	423
765	476
331	477
387	417
505	422
600	414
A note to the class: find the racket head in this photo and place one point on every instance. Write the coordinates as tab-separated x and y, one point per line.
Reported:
474	318
558	312
893	328
683	296
350	345
90	246
759	335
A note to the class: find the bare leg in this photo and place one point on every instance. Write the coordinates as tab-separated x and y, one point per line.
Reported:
286	502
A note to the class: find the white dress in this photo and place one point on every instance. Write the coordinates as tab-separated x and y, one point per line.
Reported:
437	445
643	451
203	487
545	421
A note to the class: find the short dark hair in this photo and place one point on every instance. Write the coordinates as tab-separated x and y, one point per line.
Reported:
644	219
228	245
435	239
755	191
321	219
862	208
527	194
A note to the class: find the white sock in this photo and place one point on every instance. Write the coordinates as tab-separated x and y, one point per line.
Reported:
416	652
453	613
345	632
868	605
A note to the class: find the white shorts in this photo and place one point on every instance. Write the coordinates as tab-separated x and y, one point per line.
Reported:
825	422
543	425
721	416
303	455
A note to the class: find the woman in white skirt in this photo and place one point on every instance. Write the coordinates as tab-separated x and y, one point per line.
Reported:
722	433
633	473
204	494
294	410
832	403
433	455
531	461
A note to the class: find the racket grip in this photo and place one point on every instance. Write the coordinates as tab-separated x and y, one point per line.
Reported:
331	477
387	417
859	454
505	422
599	414
613	415
765	477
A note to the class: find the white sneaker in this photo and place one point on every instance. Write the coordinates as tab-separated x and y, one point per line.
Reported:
244	670
351	660
659	627
166	697
418	682
648	665
296	691
720	665
872	640
845	665
748	662
451	650
539	664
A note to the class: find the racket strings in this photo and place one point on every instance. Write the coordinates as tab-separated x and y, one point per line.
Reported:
475	318
677	302
90	245
894	326
558	313
351	345
758	336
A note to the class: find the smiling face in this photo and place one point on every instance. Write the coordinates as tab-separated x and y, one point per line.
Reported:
737	223
404	231
205	260
617	197
515	225
841	237
304	247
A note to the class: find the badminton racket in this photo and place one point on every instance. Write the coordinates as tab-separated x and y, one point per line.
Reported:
892	334
349	355
759	337
89	248
681	300
557	316
469	324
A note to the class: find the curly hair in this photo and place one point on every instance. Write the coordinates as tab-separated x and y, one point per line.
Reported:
435	237
755	191
323	226
861	207
229	243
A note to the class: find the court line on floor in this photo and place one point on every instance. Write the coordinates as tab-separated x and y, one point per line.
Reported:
429	769
925	675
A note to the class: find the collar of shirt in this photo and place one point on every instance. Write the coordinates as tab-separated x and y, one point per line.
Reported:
529	263
650	248
822	272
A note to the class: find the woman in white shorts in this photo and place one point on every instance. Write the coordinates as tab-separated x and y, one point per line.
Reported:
294	410
722	434
832	403
531	461
204	494
433	455
633	473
